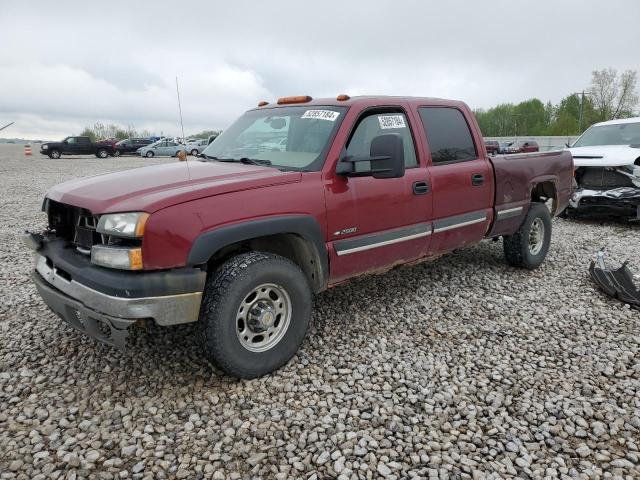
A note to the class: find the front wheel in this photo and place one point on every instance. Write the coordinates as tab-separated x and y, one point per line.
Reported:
55	154
117	153
528	247
194	152
102	153
148	154
254	314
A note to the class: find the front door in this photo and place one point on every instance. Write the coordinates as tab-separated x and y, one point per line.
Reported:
375	223
70	146
461	177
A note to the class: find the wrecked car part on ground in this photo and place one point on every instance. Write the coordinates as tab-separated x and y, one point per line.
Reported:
615	283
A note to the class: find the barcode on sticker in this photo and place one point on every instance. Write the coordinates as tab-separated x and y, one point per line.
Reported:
321	115
391	121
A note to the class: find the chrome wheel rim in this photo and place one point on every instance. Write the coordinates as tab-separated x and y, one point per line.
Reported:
263	317
536	236
55	154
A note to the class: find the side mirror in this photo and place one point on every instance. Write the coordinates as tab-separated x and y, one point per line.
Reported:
386	157
567	145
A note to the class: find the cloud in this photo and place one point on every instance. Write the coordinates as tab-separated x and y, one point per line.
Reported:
64	68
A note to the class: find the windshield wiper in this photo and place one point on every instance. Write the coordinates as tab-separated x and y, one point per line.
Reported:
245	160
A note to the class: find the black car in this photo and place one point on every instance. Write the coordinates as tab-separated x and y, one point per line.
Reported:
130	145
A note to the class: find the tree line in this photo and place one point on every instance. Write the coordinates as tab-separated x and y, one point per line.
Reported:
610	95
100	131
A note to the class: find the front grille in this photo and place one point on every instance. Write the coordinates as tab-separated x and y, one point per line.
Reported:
599	178
78	227
74	224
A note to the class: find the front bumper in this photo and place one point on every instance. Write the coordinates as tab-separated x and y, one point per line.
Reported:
623	202
103	303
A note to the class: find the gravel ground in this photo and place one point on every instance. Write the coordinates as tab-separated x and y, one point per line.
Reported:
460	368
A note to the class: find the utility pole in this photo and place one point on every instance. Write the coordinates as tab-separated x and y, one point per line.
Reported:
581	116
180	108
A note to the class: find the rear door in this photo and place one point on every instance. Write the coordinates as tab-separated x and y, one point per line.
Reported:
461	178
84	146
375	223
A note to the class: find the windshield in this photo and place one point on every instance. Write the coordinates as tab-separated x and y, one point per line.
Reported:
618	134
292	138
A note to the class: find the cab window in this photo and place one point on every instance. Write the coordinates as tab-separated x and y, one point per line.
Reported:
381	123
448	134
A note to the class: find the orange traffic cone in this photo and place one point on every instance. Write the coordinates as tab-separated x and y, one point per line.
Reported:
27	149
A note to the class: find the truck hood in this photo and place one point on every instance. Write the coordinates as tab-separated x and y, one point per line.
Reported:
152	188
604	156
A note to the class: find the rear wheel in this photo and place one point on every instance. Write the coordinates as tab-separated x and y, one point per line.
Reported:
149	154
528	247
255	313
194	152
102	153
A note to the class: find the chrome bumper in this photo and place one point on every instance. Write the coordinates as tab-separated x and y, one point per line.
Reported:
96	313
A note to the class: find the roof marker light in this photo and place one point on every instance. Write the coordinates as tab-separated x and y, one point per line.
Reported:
263	103
298	99
342	97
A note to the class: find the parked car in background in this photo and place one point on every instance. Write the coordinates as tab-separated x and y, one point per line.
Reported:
523	146
493	146
194	147
110	142
130	146
607	161
504	146
161	148
278	144
76	146
238	242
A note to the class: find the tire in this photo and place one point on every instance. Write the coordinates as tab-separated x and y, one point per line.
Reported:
102	153
229	305
117	153
194	152
149	154
55	154
525	248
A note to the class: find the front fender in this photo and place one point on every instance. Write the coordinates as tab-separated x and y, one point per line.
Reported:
210	242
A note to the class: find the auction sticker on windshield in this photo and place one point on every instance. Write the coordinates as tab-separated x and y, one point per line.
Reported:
391	121
321	115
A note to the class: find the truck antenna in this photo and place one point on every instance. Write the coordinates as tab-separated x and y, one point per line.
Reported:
182	124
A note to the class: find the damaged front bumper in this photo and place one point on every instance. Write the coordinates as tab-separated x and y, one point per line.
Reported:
104	303
622	201
615	283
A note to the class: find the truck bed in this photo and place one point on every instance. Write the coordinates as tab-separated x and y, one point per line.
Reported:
515	177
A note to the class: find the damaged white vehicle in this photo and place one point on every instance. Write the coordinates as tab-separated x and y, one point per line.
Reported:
607	170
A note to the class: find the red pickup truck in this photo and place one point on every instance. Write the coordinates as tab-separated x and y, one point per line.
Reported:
238	240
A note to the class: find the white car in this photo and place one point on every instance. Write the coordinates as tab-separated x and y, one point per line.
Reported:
194	147
161	148
607	169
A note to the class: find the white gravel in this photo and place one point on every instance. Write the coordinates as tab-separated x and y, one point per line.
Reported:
460	368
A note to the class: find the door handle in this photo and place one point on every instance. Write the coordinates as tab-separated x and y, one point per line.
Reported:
477	179
420	188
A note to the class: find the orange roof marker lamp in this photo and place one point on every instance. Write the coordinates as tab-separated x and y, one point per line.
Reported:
298	99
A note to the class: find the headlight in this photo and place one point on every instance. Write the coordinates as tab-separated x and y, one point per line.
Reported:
44	147
123	258
126	225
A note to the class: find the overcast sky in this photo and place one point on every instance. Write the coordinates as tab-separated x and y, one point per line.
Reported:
67	64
